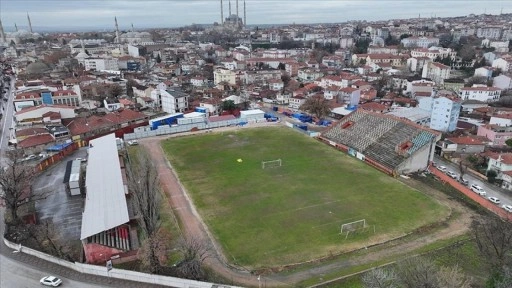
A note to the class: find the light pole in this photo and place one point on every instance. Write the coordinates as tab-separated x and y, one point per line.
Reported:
259	281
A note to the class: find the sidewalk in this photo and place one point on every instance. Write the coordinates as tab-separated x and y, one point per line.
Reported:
496	209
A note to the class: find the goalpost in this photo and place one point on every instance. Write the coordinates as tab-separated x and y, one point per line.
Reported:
353	226
271	163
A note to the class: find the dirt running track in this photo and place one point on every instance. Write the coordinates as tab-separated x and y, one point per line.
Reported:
192	225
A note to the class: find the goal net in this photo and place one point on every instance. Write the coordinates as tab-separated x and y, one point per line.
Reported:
271	164
352	227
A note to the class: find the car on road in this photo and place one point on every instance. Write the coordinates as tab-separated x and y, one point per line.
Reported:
81	159
507	208
477	189
494	200
452	174
133	142
30	157
441	168
463	181
51	281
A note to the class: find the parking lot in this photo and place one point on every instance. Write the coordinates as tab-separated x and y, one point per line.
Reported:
63	209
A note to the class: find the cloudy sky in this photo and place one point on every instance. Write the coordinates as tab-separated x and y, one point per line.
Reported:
172	13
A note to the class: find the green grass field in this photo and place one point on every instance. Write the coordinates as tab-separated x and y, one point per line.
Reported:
293	213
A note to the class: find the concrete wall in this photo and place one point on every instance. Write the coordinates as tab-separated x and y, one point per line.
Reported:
116	273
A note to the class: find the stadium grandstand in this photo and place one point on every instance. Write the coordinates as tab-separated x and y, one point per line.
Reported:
391	144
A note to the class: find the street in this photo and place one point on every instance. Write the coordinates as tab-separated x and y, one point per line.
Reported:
491	190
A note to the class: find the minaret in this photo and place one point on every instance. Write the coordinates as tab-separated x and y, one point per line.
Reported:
229	8
236	14
83	45
245	16
16	27
133	30
29	24
117	31
2	33
221	13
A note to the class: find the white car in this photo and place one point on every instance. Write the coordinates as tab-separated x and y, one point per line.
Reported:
507	208
452	174
51	281
81	159
133	142
494	200
477	189
442	168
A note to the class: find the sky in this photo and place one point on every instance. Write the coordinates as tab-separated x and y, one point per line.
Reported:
99	14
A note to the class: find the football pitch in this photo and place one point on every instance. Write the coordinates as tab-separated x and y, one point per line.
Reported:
291	213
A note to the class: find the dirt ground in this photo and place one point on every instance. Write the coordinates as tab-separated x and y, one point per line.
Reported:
192	225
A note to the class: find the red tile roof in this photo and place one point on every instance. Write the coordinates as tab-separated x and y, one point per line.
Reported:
63	93
373	106
36	140
506	158
52	114
469	140
480	89
31	131
28	109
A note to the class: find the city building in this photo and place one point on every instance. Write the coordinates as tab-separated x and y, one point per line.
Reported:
224	75
172	100
420	42
436	71
444	112
480	93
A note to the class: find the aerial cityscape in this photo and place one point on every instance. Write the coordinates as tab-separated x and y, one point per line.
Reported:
256	143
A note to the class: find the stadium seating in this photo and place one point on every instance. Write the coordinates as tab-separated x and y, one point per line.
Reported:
387	140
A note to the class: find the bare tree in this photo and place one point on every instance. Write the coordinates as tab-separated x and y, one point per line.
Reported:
505	280
494	240
47	237
418	272
317	105
463	165
380	278
153	252
15	182
145	194
114	90
453	277
194	252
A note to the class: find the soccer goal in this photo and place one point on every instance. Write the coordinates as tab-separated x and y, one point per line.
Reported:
354	226
271	164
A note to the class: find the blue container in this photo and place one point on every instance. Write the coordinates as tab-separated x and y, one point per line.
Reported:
275	108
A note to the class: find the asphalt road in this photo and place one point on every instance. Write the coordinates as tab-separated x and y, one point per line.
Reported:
491	190
7	120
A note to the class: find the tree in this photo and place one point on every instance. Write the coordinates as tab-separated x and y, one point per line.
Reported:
509	142
145	191
317	105
194	252
158	58
47	236
453	277
228	105
361	46
493	237
491	176
476	80
115	90
129	87
380	278
15	182
153	252
417	272
467	52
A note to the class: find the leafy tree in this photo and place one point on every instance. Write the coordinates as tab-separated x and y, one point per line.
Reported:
317	105
491	176
509	142
228	105
361	46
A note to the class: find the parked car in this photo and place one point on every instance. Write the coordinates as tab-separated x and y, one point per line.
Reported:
463	181
494	200
133	142
452	174
442	168
507	208
81	159
51	281
477	189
